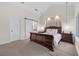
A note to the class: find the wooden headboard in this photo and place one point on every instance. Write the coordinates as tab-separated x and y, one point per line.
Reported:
54	27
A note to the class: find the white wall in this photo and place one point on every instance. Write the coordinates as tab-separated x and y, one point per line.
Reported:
60	9
12	14
77	38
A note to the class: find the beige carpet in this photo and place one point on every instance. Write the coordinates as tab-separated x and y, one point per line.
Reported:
28	48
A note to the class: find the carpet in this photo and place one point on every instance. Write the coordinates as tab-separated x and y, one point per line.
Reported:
29	48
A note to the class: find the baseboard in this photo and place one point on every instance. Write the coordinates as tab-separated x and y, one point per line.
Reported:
5	42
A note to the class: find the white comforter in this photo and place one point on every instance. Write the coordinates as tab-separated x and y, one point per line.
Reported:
57	38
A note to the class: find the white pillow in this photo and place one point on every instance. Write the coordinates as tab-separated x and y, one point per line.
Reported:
54	31
49	31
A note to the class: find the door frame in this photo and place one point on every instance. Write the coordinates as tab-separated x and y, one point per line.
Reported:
25	24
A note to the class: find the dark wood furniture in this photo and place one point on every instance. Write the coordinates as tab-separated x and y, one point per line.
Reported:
44	39
67	38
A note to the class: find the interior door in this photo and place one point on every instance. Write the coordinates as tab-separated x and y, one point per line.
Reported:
14	29
29	28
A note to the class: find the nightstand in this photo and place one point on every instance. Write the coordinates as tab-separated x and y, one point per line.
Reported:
66	37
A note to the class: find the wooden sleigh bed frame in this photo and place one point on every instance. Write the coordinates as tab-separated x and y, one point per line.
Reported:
45	39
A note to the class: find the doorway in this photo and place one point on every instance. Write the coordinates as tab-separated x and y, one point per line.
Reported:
14	29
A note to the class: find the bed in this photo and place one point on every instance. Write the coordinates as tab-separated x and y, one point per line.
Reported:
49	38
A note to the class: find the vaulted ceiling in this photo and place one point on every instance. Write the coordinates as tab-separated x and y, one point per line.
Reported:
36	7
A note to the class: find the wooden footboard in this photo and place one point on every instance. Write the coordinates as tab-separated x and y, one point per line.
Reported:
43	39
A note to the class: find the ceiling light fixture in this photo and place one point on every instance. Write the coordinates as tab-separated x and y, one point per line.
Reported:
22	2
36	9
25	18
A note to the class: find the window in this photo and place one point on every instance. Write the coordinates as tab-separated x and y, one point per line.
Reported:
77	25
35	25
